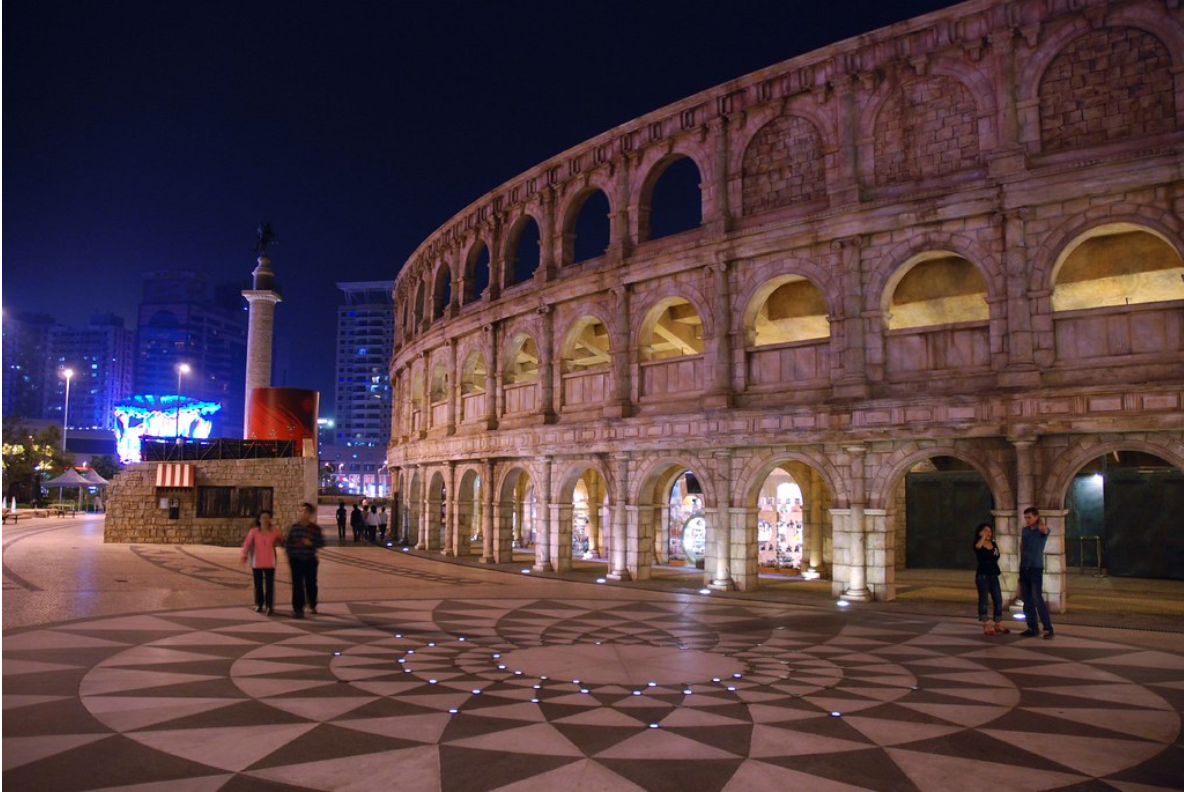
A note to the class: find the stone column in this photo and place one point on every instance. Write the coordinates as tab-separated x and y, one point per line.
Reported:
1055	579
812	517
1008	540
560	535
1008	156
718	219
880	554
497	260
260	330
743	547
1025	496
857	547
719	393
721	577
453	388
844	188
620	245
620	404
619	568
548	239
487	512
639	530
547	364
542	547
1021	366
852	382
493	378
425	417
425	484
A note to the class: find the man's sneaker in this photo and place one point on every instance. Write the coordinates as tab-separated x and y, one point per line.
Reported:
270	611
297	614
1029	634
258	609
1048	635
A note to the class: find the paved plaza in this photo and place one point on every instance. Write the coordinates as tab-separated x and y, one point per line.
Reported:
144	667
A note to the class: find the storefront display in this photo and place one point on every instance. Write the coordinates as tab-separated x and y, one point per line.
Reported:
687	541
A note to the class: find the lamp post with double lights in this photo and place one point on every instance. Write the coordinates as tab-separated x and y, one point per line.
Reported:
68	374
181	370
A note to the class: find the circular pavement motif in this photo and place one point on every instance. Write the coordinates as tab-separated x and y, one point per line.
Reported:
586	694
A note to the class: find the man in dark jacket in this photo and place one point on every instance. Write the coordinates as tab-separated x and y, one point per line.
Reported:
357	522
302	542
341	522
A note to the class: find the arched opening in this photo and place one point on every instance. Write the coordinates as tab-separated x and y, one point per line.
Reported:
1123	518
441	291
437	522
523	251
584	364
473	386
518	512
671	349
787	331
794	527
587	234
476	273
469	539
418	413
672	200
937	317
934	509
584	517
1117	265
520	376
411	511
438	395
419	306
682	528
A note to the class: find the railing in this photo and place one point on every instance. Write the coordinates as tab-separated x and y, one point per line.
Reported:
472	406
962	346
795	362
521	397
1082	543
440	413
585	388
416	420
161	449
673	376
1118	331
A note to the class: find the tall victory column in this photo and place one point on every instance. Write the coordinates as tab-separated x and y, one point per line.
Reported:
262	299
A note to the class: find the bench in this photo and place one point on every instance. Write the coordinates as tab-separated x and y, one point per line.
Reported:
11	515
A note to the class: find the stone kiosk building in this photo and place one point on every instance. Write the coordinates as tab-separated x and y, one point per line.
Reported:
935	270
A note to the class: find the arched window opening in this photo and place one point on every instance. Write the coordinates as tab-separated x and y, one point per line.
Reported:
522	362
523	251
673	329
472	380
589	233
780	536
939	288
439	385
419	306
791	309
442	292
686	529
675	200
1119	264
476	273
587	347
589	516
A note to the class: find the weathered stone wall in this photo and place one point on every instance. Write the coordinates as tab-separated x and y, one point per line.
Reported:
783	165
928	127
134	513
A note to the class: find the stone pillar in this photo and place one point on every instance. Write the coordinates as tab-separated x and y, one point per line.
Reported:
493	378
880	554
260	329
620	245
547	364
560	536
661	520
487	512
1008	540
497	260
639	532
1008	156
812	518
844	188
721	576
857	548
852	382
619	568
1055	579
718	220
425	484
1025	496
548	238
719	390
453	388
542	547
619	406
450	500
1021	366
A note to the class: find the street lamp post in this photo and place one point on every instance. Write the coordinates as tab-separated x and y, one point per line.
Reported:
68	374
181	369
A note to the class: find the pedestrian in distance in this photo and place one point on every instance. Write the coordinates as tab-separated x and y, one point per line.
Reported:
1032	540
260	549
986	580
372	523
303	540
341	522
357	522
383	519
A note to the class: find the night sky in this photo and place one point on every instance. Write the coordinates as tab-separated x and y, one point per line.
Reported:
143	136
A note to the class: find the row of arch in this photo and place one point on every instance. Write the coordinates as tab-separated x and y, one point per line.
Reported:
932	123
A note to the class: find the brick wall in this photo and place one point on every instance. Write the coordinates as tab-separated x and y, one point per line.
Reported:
927	127
1106	85
134	514
783	165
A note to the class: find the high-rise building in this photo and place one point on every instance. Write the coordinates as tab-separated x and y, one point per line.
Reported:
26	358
365	340
179	323
102	357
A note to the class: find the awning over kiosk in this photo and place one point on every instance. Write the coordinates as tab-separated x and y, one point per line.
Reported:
174	474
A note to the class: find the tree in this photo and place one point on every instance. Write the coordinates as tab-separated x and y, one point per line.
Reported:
29	458
106	465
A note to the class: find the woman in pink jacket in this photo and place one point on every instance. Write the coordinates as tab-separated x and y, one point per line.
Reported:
260	545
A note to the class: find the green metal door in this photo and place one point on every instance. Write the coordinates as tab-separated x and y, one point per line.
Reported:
942	510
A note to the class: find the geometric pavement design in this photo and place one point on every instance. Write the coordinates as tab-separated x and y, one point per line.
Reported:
579	694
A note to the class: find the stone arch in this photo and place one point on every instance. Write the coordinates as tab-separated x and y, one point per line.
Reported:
441	291
1072	459
511	510
784	163
474	372
436	523
564	483
892	266
761	288
802	106
888	474
517	338
654	163
654	470
758	468
1102	277
1058	242
420	305
573	205
510	249
644	319
412	506
506	478
581	319
475	271
467	509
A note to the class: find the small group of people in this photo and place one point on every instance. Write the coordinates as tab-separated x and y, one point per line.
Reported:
1033	537
260	549
366	522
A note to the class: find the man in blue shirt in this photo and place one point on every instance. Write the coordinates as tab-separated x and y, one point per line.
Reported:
1032	541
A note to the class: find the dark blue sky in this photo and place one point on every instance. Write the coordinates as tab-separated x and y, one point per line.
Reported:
153	135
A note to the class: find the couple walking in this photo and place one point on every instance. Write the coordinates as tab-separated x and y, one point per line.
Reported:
986	578
301	545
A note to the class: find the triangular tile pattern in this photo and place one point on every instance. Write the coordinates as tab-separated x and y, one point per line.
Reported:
819	701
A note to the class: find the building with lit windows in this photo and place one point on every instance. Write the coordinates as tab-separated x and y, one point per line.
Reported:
26	354
102	356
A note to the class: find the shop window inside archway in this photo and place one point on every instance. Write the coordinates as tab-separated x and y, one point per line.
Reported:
687	542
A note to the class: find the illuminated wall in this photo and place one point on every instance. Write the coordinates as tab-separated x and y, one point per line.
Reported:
160	416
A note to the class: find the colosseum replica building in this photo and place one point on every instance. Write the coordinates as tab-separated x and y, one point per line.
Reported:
826	318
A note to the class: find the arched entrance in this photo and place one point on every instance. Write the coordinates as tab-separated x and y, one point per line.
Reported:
411	511
793	535
584	513
676	507
468	539
1122	517
935	507
518	516
435	534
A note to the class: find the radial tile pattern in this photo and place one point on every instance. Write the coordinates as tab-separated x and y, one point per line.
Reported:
569	694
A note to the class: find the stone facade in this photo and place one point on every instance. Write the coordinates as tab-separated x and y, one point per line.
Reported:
133	500
778	332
